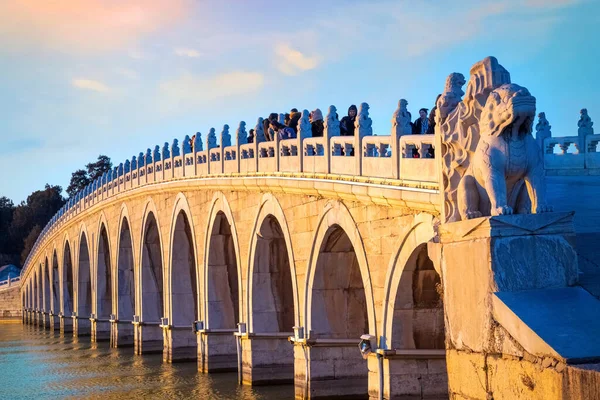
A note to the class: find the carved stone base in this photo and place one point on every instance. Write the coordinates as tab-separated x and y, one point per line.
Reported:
66	325
180	345
100	331
329	370
419	374
217	351
509	300
148	339
121	334
267	359
81	327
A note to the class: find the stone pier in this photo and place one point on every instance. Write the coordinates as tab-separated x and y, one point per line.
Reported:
148	338
217	350
100	330
66	324
180	344
267	358
517	325
326	368
121	334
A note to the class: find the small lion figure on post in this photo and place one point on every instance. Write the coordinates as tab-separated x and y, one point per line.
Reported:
491	164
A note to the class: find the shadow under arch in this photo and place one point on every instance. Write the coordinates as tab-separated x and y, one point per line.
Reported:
46	285
222	304
272	298
181	343
271	217
413	315
149	296
84	287
55	283
67	280
336	216
339	306
102	285
419	233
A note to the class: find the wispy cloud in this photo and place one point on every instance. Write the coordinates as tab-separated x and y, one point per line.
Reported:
186	52
89	84
291	61
189	91
89	26
550	3
127	73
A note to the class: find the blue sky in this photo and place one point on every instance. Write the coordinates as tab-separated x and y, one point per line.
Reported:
88	77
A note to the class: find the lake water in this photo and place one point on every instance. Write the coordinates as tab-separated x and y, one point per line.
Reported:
38	364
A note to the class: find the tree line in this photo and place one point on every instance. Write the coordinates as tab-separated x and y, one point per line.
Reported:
21	225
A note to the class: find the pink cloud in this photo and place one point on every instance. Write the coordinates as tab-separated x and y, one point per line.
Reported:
84	26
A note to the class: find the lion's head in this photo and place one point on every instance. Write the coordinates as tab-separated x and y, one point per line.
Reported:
507	105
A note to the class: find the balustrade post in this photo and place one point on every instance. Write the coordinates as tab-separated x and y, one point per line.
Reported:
331	129
362	127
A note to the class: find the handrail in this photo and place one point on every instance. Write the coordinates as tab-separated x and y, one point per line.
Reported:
182	162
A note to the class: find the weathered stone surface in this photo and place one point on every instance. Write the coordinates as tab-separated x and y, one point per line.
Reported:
562	322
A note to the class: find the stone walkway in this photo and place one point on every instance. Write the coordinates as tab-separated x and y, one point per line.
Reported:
581	194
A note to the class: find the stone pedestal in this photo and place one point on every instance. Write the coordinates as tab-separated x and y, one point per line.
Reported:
329	368
217	350
54	323
180	344
45	322
66	325
100	330
81	327
148	339
418	374
267	359
121	334
506	337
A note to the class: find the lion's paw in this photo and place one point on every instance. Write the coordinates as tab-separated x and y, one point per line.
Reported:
543	208
502	210
473	214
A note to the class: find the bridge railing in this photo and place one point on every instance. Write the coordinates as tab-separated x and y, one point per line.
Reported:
370	156
566	153
10	282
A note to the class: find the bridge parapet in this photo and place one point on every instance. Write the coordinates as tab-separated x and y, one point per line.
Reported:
386	160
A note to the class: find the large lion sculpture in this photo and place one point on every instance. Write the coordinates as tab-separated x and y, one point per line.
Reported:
491	164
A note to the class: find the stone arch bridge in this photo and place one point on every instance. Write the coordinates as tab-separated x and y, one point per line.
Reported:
274	258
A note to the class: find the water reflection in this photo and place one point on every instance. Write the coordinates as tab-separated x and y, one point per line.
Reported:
39	364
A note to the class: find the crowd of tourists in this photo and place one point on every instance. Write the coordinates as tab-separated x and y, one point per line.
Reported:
273	127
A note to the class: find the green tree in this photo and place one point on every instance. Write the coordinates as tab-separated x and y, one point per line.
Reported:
7	209
40	206
29	241
96	169
79	180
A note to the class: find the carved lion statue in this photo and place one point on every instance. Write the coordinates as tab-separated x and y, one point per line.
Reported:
505	175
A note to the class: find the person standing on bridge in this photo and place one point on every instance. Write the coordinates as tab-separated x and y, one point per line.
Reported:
316	123
251	136
283	132
294	118
347	123
422	123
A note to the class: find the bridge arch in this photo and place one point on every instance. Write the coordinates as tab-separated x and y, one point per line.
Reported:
124	275
151	288
399	281
67	274
84	275
273	314
335	223
46	285
55	283
182	264
222	304
102	278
